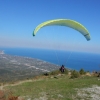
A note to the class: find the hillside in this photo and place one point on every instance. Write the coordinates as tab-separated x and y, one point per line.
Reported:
59	87
14	68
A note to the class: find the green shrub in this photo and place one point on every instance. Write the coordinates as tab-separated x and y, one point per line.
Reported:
66	71
75	74
56	72
82	72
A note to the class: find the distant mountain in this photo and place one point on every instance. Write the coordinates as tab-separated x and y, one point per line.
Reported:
13	68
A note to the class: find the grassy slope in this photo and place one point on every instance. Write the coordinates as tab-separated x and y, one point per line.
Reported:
61	88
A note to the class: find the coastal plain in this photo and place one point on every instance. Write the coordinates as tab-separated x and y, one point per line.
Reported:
14	68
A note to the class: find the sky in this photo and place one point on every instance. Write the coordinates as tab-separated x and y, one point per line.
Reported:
19	18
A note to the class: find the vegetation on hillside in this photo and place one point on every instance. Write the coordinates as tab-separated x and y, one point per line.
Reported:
53	86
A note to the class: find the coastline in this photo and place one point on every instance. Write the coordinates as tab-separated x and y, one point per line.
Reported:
87	61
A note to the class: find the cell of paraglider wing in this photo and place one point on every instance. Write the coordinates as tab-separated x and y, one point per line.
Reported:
64	22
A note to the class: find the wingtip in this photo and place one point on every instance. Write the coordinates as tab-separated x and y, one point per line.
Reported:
33	34
88	39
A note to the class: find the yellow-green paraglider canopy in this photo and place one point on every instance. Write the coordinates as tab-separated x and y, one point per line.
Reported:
64	22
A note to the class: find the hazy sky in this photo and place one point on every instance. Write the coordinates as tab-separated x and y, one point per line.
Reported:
18	19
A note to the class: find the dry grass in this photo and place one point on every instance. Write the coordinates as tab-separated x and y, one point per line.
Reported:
5	95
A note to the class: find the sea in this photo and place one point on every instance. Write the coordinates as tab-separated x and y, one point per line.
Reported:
70	59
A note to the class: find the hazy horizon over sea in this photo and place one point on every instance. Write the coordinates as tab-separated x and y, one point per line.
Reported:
72	60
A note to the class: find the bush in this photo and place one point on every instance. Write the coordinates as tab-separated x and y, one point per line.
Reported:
75	74
82	72
66	71
56	72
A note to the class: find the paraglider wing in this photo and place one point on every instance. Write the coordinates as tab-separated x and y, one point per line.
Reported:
64	22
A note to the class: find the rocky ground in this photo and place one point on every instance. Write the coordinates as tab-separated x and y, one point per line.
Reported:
91	93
